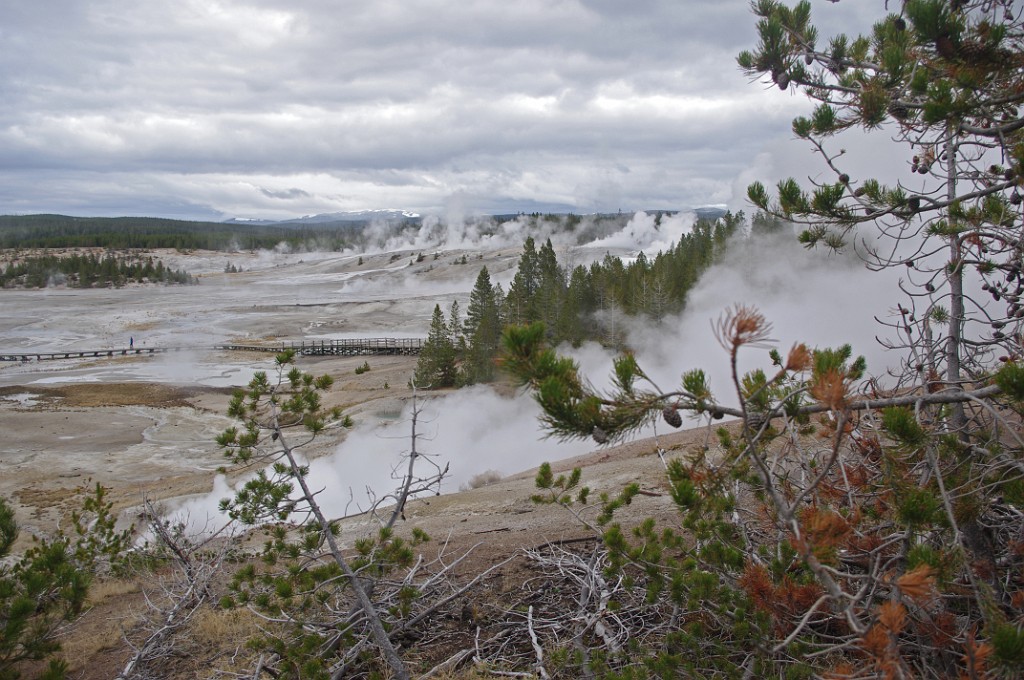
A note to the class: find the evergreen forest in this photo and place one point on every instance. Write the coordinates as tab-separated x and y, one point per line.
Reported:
584	303
89	270
62	231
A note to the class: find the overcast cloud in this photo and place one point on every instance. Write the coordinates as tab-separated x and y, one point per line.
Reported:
267	108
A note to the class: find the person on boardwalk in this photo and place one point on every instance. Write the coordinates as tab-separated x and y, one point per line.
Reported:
131	343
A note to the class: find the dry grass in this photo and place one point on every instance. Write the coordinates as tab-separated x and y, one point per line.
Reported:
470	673
45	498
104	394
96	640
122	394
100	591
223	634
213	626
213	642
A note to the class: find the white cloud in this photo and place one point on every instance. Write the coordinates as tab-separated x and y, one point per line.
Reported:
578	105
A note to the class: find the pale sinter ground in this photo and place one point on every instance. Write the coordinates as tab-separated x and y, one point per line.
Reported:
145	426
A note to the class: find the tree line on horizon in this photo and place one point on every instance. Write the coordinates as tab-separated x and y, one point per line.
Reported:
62	231
89	270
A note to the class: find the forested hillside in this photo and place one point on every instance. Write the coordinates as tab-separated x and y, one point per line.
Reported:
62	231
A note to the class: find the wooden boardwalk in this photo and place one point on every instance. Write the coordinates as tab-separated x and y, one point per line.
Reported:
348	347
87	353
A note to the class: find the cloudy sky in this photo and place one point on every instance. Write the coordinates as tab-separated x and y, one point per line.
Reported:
272	108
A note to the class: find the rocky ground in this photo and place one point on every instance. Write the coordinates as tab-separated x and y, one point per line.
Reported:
144	426
143	440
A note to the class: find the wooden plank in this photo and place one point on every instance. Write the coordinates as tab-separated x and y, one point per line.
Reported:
337	347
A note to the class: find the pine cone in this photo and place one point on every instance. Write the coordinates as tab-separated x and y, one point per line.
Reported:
599	435
898	110
972	50
671	416
756	419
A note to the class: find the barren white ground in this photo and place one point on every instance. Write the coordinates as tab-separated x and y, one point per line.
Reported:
145	426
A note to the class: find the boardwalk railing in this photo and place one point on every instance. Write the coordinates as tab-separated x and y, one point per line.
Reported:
87	353
345	347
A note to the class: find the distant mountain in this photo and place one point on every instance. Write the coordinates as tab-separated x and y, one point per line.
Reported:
406	216
358	216
323	219
711	212
391	216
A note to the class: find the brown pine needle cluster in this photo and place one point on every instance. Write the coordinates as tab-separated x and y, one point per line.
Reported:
799	358
831	388
918	584
742	326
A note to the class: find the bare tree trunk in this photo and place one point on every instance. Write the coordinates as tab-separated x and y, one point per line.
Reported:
380	636
954	271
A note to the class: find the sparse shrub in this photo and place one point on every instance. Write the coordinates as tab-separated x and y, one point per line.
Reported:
45	588
363	369
305	575
758	550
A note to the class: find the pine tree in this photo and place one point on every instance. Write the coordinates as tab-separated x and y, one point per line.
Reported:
304	574
520	299
482	329
639	281
455	327
436	366
843	526
44	589
499	300
578	311
943	79
549	295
